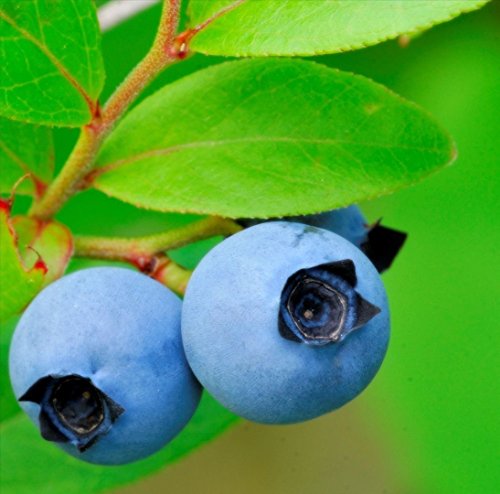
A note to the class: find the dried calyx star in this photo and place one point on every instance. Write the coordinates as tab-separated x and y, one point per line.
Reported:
72	410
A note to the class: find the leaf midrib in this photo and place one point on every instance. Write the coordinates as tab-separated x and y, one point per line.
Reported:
258	139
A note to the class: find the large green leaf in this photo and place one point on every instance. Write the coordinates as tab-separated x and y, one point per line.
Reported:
52	70
260	138
49	470
309	27
25	148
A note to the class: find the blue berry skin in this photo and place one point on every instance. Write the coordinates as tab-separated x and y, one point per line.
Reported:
347	222
101	350
379	243
232	323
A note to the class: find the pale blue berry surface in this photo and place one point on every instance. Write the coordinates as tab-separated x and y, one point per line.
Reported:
108	341
231	323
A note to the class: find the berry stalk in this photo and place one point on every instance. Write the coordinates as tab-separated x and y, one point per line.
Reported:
133	248
147	252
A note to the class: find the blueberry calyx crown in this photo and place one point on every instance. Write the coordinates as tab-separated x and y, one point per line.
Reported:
72	410
319	305
382	245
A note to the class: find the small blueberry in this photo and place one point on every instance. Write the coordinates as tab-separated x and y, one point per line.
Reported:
379	243
97	363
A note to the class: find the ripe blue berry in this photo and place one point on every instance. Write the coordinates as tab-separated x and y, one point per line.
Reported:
284	322
347	222
379	243
97	363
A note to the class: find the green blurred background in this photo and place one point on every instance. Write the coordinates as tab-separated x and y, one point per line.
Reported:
428	423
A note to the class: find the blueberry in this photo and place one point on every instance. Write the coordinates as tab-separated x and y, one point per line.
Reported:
380	243
347	222
97	363
284	322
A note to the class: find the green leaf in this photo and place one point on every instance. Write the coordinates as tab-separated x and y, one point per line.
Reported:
311	27
49	469
47	240
261	138
52	69
8	403
19	284
25	148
